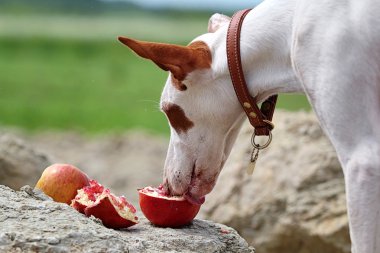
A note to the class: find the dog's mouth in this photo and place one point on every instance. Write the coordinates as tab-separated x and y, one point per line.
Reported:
188	195
196	200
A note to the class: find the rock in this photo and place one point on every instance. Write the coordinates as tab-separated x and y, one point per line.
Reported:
20	164
31	223
294	201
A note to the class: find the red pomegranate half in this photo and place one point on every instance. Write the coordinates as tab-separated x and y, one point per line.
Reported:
166	211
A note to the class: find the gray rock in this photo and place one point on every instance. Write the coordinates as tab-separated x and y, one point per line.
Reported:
295	199
30	224
20	164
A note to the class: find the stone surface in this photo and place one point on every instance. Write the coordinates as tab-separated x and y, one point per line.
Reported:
20	164
295	199
31	222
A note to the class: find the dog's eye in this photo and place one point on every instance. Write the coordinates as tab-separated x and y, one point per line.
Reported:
178	84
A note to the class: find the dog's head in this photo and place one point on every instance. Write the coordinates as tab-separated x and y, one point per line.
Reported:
201	106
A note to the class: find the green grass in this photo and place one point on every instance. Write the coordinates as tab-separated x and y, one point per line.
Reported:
86	83
146	26
293	102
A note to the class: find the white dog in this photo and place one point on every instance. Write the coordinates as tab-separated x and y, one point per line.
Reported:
329	50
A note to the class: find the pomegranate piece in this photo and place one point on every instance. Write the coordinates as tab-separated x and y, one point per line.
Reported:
61	182
166	211
87	196
113	211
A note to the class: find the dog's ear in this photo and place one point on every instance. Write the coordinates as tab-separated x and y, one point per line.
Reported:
179	60
216	21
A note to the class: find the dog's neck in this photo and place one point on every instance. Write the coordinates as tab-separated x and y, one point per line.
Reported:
265	50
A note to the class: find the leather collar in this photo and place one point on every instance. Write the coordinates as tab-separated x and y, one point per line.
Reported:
260	118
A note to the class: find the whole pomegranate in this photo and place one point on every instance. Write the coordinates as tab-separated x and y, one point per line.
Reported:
61	182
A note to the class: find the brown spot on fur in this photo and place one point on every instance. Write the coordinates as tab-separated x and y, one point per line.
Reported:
177	117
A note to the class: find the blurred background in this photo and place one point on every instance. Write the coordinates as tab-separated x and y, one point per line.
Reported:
62	67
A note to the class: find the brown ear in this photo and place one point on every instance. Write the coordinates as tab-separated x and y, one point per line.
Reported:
179	60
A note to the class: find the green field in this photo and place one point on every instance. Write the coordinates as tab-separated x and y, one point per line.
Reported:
71	73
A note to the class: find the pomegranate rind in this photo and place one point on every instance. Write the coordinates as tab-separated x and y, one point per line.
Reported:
111	213
78	206
165	211
96	200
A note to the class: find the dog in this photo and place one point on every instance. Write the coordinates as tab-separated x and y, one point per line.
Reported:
328	50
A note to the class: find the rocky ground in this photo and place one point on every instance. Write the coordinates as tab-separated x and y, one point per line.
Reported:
30	222
294	201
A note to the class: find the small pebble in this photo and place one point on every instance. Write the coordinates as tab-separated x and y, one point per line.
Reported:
34	239
52	240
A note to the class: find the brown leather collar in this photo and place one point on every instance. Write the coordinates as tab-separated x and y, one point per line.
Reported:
260	119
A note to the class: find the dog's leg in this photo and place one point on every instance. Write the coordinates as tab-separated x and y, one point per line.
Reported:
355	136
340	73
362	177
353	133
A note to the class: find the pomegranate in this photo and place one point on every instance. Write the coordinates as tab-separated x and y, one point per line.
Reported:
61	182
166	211
98	201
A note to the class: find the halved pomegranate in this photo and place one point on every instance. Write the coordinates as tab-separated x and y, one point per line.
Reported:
96	200
166	211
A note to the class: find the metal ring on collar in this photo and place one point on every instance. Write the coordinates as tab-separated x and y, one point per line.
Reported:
258	146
